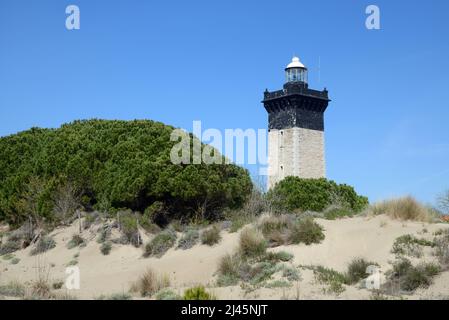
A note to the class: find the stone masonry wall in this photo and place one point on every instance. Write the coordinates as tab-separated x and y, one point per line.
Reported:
295	152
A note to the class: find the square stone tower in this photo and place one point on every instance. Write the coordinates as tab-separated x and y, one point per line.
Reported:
296	127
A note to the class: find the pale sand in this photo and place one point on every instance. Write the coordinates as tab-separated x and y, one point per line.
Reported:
346	239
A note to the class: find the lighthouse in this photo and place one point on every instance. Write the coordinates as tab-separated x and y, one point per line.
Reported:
295	127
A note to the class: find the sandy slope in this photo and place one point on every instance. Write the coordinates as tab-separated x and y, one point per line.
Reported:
370	238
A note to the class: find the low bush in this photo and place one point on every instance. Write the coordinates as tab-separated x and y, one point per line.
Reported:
306	231
116	296
129	228
104	233
10	246
211	236
278	284
357	270
76	241
228	270
238	220
414	279
106	248
12	289
41	289
409	245
299	195
167	294
408	278
287	229
442	248
57	284
15	260
160	244
275	228
44	244
189	239
8	256
279	256
252	243
261	272
197	293
72	262
291	273
150	283
337	213
333	279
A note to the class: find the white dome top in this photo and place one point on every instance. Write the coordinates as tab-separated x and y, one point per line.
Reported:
295	63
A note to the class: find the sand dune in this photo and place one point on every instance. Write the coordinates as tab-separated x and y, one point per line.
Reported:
368	237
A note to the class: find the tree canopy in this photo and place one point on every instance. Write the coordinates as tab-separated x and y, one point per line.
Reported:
111	164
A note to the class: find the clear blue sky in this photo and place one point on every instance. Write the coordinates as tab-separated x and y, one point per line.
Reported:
387	127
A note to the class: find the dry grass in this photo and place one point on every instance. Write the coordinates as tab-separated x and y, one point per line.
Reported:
211	236
252	243
404	209
150	283
41	288
275	228
13	289
287	229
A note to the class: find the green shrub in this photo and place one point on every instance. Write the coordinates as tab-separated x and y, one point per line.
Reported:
337	213
76	241
275	228
278	284
442	248
129	228
306	231
167	294
197	293
72	262
106	248
8	256
228	270
112	164
189	239
297	194
15	260
357	270
10	246
252	243
120	296
160	244
261	272
116	296
238	220
410	245
227	280
291	273
12	289
333	279
211	236
57	285
401	267
409	278
44	244
415	278
283	256
104	234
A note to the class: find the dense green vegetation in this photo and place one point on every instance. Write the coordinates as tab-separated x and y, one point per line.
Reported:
99	164
296	194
